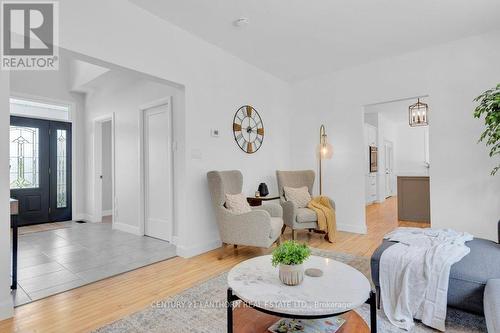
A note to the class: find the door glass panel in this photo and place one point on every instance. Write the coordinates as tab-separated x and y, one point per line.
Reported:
62	195
24	168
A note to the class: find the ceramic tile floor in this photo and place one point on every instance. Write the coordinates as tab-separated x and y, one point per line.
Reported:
53	261
43	227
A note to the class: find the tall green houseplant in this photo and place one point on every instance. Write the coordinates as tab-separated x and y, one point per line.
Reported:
489	106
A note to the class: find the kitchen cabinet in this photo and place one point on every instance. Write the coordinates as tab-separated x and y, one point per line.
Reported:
414	202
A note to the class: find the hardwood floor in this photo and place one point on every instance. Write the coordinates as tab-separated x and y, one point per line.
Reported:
97	304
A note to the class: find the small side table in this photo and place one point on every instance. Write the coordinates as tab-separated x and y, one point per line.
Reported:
14	211
257	201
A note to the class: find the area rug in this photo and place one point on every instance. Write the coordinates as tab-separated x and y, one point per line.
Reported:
201	309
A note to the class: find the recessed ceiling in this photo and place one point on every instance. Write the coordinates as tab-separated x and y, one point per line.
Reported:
295	39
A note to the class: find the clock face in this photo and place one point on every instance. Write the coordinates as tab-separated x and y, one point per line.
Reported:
248	129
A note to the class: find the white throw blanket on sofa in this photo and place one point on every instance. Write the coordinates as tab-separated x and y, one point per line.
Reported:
414	274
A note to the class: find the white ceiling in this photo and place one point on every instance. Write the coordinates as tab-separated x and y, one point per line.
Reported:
294	39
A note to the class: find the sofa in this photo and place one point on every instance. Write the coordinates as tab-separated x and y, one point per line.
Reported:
474	283
492	305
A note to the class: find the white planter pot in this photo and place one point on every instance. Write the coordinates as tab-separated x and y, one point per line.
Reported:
291	275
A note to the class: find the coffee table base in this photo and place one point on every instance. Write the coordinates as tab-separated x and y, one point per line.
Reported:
231	298
248	320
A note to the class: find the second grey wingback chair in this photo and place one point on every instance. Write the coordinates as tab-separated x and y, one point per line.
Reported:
260	228
294	217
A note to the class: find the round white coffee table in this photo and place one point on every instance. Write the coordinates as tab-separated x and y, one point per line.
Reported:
340	289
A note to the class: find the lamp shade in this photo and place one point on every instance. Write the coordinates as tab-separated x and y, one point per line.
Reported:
325	151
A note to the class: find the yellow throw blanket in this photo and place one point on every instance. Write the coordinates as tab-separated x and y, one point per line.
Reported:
326	216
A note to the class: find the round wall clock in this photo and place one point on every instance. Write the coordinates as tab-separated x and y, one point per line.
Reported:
248	129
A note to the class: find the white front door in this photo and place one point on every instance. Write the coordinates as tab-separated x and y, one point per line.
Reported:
158	172
389	172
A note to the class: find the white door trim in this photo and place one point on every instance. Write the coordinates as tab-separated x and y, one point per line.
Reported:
76	215
97	167
142	185
389	172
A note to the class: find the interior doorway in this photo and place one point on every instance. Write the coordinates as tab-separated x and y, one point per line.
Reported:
399	184
157	167
104	169
107	175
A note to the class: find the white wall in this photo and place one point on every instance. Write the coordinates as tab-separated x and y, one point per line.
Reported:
463	194
124	98
409	150
107	189
82	72
372	119
5	239
55	86
216	84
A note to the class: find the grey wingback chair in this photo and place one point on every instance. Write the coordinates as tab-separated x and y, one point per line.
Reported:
293	217
260	228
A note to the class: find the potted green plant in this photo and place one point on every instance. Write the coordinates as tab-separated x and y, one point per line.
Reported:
290	256
489	106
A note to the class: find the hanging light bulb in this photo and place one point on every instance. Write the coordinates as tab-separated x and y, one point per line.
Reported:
325	149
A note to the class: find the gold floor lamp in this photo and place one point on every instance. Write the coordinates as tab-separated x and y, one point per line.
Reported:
325	152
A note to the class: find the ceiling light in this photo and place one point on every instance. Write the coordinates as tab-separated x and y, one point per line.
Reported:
418	114
241	22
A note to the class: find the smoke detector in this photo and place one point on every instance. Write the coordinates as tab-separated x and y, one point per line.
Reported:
241	22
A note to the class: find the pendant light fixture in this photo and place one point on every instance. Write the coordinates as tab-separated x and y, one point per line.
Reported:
418	114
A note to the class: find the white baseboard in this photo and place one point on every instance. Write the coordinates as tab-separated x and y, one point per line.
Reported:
107	212
80	216
6	309
87	218
127	228
191	251
358	229
96	218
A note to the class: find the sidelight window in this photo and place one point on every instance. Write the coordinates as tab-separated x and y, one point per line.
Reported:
61	169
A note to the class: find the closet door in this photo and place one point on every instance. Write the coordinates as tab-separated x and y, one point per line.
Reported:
158	172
